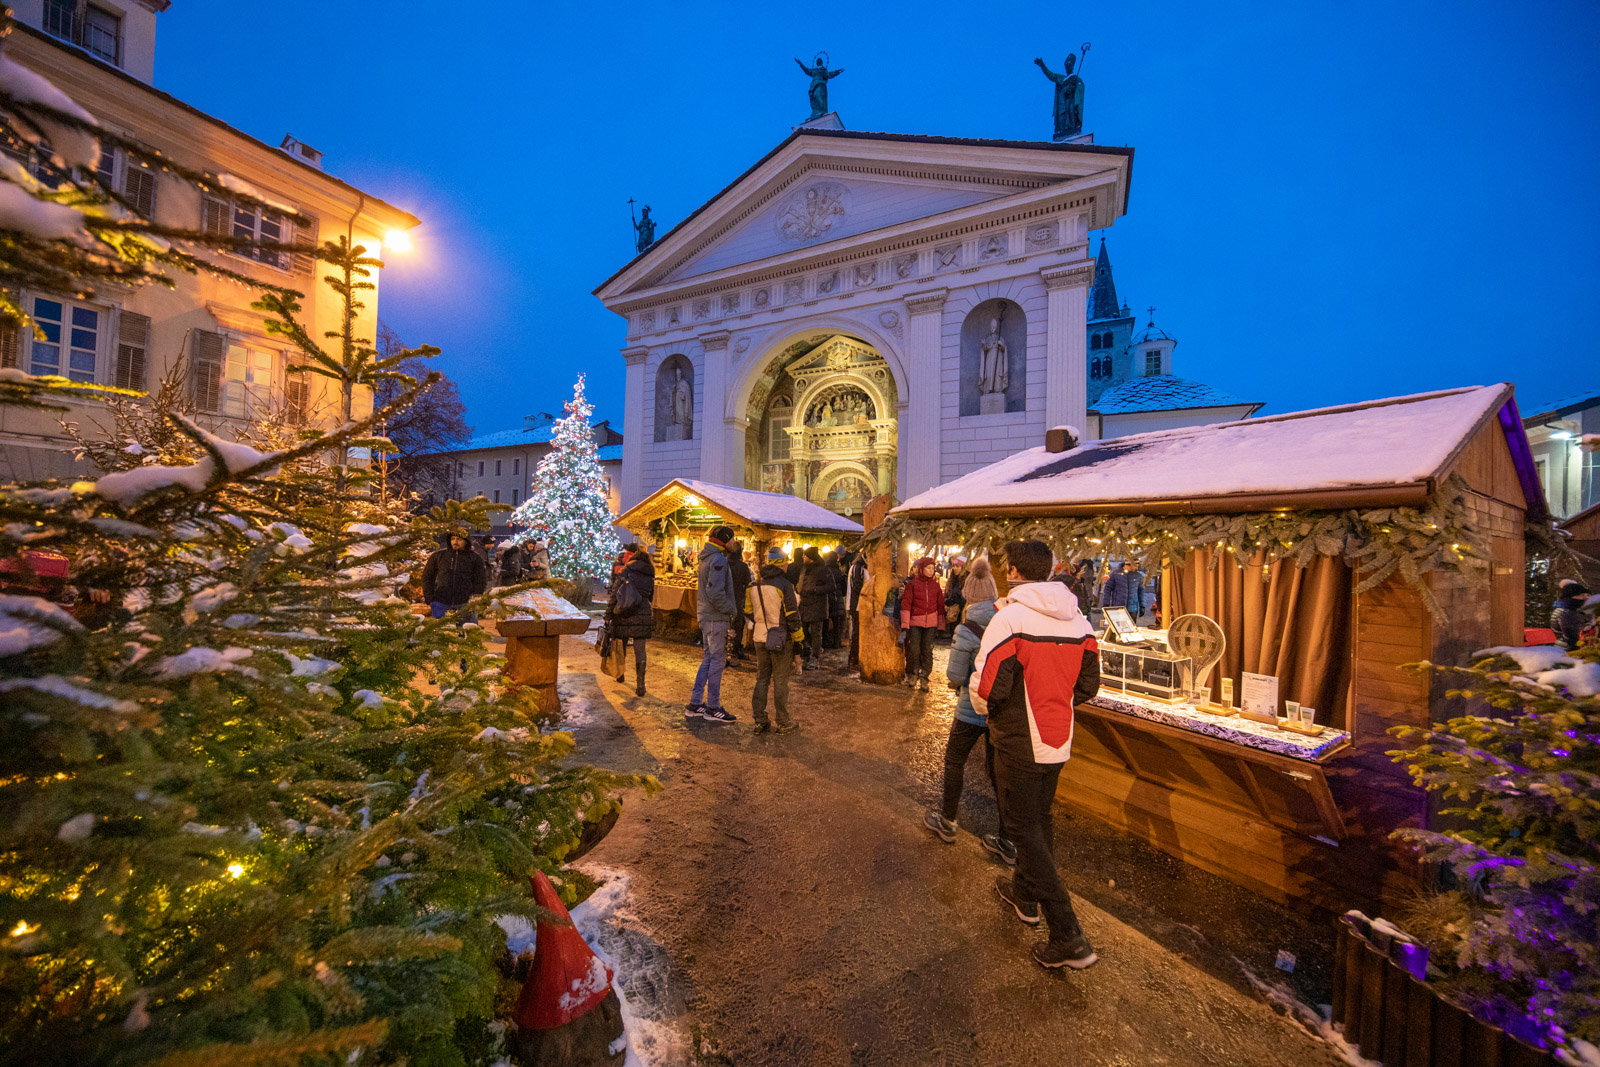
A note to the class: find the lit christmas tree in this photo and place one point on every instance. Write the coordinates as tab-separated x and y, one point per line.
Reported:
567	507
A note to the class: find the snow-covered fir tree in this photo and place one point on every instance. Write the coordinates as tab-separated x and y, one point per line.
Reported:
567	507
252	809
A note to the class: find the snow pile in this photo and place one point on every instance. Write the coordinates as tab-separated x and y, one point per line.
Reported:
1306	1018
127	488
58	686
1552	666
73	146
25	213
29	622
362	549
213	596
202	660
369	698
310	666
292	538
642	981
235	184
521	935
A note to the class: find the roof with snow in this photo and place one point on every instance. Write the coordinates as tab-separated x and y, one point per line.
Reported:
610	453
1152	332
508	439
1382	451
1163	392
750	507
1566	406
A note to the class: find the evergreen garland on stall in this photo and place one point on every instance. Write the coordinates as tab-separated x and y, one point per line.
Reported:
1375	542
567	506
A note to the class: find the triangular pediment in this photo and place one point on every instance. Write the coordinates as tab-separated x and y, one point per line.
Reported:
820	188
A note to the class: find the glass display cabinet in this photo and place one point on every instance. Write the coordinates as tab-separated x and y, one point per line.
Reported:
1155	673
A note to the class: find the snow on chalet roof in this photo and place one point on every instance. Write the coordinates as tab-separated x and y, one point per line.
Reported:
508	439
1564	406
1163	392
610	453
1403	441
777	510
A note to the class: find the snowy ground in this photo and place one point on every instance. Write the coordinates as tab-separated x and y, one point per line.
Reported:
780	902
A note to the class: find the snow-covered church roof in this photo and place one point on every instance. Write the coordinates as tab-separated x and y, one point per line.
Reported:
1163	392
1381	451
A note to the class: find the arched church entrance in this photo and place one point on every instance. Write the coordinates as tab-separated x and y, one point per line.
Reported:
822	424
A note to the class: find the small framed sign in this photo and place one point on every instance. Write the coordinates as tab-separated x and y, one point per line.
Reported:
1122	624
1258	698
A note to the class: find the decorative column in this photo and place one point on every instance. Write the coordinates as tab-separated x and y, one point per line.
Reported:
1066	376
632	488
713	409
919	435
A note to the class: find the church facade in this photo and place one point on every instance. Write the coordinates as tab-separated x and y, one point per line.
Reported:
861	313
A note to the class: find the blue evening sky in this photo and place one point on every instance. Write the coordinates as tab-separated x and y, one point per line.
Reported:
1331	201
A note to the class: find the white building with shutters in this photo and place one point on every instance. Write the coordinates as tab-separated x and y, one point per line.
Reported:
861	313
101	53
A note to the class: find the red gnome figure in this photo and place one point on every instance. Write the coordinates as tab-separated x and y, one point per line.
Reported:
557	1025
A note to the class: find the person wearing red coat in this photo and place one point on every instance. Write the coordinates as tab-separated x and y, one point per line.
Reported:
921	617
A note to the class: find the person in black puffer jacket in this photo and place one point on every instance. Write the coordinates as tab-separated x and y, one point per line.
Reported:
638	578
817	588
1566	614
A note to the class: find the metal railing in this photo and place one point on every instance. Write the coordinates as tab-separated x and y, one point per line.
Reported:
61	20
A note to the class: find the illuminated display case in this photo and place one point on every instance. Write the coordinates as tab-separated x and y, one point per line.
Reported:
1150	672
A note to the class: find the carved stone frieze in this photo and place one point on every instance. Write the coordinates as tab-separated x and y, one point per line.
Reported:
763	297
730	303
946	257
674	316
648	320
905	266
993	247
890	320
827	283
812	212
926	303
866	274
702	309
793	289
1040	235
1077	274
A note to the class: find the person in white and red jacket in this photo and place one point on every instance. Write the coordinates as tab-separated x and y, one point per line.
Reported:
1038	660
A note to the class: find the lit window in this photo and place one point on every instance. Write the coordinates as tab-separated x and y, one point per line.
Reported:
251	223
81	327
248	380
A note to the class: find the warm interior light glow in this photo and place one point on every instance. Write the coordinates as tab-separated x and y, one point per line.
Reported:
398	240
683	542
236	869
23	928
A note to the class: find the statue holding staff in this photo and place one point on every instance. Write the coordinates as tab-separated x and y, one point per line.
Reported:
1068	110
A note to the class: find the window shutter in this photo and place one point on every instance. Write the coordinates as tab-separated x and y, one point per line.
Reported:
297	394
214	216
10	345
305	235
139	186
209	353
133	341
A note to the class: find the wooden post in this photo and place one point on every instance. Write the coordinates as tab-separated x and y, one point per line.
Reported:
998	564
883	661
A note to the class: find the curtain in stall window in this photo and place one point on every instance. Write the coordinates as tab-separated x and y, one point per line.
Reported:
1295	626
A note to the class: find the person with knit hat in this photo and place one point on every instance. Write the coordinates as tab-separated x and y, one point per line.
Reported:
773	607
969	725
921	617
453	575
716	611
1566	614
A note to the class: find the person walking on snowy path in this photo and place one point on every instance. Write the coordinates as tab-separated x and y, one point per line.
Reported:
1037	661
921	617
773	607
629	612
716	613
969	725
816	591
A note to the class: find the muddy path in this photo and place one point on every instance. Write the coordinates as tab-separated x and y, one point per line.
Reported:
789	905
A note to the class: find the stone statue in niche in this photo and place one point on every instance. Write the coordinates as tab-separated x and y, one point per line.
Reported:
682	428
995	370
1068	108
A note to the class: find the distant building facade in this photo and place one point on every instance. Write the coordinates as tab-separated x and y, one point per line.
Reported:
102	54
1132	387
499	466
1555	431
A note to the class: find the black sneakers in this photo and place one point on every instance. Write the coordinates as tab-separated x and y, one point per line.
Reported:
1001	848
694	711
1073	952
1027	910
720	716
935	821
